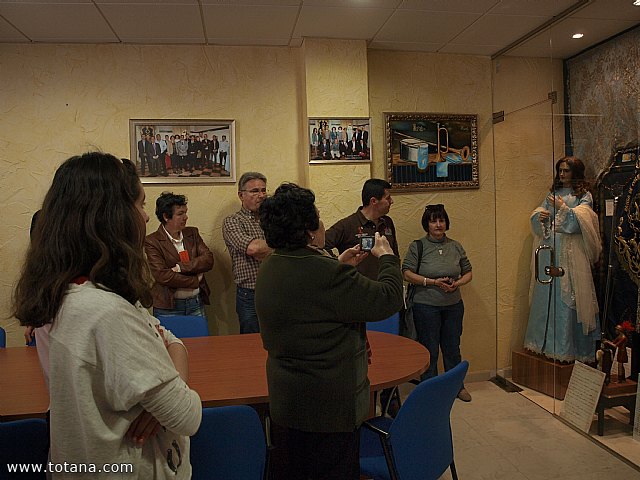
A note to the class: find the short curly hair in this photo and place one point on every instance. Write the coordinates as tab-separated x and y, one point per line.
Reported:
288	215
165	203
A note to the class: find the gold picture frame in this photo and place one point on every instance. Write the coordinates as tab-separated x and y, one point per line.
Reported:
431	151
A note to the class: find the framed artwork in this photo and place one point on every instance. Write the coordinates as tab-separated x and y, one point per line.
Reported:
431	151
184	151
339	140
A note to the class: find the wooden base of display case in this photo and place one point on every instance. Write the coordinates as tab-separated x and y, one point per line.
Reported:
617	395
540	373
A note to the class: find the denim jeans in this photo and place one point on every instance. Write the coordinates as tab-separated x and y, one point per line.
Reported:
183	306
246	310
439	328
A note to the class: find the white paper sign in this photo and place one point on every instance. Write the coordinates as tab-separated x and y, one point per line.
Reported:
608	207
582	396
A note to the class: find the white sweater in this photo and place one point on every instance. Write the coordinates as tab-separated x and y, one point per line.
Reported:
107	364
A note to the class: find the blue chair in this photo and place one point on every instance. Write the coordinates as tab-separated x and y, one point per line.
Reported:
230	445
26	442
417	443
3	338
185	326
388	325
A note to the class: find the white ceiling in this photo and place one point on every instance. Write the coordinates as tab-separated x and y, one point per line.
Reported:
476	27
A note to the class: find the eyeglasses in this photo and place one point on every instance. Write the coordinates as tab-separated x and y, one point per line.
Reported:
255	191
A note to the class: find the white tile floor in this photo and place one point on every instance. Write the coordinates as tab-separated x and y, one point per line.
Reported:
502	435
618	433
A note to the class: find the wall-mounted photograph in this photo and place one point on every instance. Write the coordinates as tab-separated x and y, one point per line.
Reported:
431	151
184	151
339	140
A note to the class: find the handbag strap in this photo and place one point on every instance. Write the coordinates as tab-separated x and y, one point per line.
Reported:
419	247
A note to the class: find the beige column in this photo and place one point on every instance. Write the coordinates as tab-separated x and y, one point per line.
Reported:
336	86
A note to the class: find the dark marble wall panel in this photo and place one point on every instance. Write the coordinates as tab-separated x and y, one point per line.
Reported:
604	100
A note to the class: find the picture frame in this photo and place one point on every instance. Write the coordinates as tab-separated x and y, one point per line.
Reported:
429	151
331	140
189	160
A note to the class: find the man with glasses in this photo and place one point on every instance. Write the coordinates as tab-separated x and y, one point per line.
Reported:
245	240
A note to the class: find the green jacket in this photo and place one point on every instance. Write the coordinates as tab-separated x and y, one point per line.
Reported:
311	310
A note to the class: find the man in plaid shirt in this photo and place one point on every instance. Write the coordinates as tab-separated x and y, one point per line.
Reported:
245	240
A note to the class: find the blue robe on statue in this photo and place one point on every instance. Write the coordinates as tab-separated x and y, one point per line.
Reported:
564	324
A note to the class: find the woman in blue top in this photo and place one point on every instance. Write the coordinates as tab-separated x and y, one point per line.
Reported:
567	222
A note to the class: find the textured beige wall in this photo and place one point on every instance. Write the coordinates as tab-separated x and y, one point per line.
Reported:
420	82
336	88
57	101
524	158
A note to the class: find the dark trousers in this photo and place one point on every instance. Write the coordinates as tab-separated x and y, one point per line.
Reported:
301	455
143	161
246	310
439	328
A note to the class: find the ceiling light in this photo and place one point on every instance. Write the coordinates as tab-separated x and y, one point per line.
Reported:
580	35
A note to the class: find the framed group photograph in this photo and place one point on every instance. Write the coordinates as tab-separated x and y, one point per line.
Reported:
183	151
339	140
431	151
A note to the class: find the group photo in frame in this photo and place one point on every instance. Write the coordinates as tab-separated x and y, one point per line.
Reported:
339	140
183	151
431	150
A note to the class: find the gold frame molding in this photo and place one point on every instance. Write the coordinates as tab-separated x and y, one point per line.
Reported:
431	151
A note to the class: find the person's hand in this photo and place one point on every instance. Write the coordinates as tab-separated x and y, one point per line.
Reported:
28	335
445	284
176	268
555	200
353	256
142	428
543	215
381	246
451	285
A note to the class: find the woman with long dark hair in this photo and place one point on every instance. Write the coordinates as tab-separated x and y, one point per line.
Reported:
566	221
116	378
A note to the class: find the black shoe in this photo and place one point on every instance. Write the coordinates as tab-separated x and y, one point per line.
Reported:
464	395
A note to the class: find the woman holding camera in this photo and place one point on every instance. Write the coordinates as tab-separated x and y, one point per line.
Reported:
438	308
312	310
